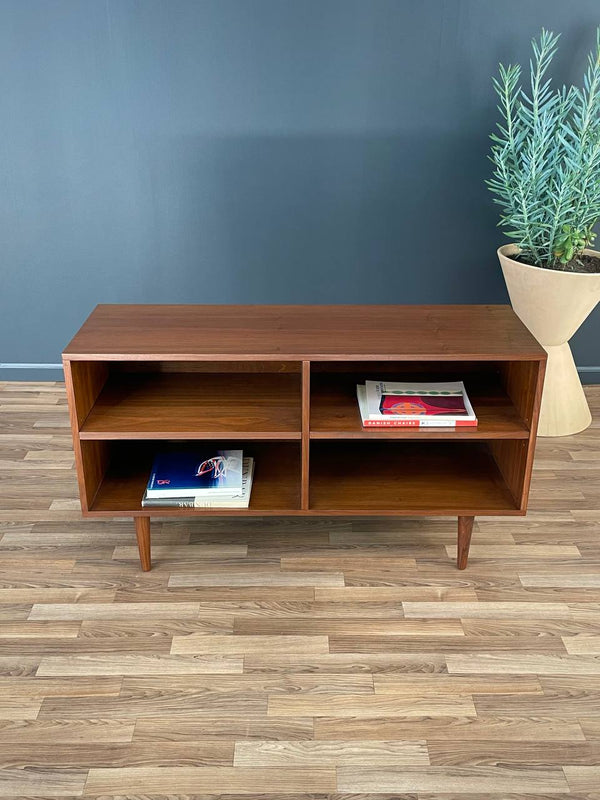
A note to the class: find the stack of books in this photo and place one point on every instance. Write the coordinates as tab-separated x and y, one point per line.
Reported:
203	478
419	405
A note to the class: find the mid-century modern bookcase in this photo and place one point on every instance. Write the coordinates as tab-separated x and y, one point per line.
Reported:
280	383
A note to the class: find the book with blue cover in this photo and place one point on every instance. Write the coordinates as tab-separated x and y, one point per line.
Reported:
210	501
205	472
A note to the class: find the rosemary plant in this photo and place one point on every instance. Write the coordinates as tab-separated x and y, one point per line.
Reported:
546	156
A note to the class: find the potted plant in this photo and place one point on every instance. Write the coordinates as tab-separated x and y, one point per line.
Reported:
546	179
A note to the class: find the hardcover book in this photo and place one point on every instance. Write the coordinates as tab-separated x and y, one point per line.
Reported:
205	472
241	501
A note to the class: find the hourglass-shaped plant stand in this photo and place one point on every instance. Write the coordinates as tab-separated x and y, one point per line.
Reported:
553	305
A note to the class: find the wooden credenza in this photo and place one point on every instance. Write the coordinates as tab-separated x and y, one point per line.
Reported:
280	383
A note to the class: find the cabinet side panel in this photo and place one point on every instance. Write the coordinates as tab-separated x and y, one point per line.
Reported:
67	368
510	456
537	403
88	378
520	380
523	382
84	381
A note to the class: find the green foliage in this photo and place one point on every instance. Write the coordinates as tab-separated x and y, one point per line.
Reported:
546	156
570	242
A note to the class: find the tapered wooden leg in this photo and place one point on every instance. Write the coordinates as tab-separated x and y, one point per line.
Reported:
465	529
142	532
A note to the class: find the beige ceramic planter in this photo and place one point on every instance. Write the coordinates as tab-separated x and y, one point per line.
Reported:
553	304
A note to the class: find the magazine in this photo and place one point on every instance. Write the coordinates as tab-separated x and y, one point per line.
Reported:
388	403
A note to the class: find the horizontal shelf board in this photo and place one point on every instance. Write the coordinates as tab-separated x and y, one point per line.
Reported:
276	484
416	434
296	512
222	332
298	357
445	478
195	405
335	415
191	435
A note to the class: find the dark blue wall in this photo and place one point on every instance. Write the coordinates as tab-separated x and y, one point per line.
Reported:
253	151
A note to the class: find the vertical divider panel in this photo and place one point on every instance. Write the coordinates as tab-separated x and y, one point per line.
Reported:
304	493
95	457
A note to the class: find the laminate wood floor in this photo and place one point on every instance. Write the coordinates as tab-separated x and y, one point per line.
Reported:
295	659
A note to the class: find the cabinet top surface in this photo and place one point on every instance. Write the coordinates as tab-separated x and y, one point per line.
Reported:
334	332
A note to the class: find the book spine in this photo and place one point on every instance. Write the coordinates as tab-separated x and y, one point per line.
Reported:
393	423
415	423
168	502
221	505
431	422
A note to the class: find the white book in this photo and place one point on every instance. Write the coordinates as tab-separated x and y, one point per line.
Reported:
377	390
232	502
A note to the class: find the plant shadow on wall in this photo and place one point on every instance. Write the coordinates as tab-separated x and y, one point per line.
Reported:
546	179
322	218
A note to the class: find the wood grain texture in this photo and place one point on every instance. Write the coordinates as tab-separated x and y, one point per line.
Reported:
495	780
234	645
297	332
84	755
65	732
465	530
335	415
179	373
275	488
17	782
583	778
443	479
411	704
138	665
159	406
329	753
191	780
142	534
495	728
311	659
306	401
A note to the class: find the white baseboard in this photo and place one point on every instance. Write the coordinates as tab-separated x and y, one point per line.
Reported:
30	366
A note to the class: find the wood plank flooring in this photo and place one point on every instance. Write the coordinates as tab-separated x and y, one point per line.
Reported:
299	659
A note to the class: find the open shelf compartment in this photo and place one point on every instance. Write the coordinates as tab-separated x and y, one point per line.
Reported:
161	401
502	411
397	478
125	469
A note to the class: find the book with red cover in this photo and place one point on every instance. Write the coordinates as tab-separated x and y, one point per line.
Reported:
418	404
436	405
